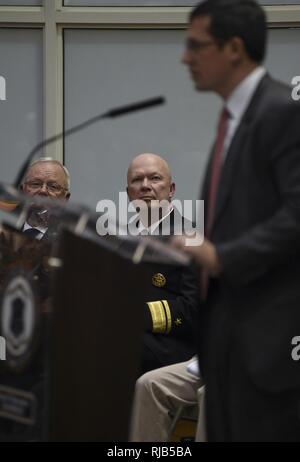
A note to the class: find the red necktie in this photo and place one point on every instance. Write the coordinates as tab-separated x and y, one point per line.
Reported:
215	173
216	168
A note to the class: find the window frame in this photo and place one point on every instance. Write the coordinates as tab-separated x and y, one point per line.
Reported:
53	18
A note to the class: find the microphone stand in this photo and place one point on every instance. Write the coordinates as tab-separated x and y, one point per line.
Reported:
80	216
116	112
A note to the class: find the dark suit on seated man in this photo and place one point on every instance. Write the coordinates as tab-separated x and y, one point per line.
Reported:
48	178
171	308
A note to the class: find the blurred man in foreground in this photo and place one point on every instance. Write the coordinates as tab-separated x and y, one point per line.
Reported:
250	256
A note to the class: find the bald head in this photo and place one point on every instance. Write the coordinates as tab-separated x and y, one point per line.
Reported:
149	178
150	160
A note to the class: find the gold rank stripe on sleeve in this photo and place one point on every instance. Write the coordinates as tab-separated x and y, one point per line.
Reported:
158	317
168	315
161	316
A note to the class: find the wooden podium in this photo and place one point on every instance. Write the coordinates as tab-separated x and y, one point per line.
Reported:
95	342
77	381
71	312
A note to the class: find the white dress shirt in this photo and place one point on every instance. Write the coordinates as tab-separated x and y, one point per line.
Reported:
39	228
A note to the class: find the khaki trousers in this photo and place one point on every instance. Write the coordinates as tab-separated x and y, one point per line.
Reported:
159	393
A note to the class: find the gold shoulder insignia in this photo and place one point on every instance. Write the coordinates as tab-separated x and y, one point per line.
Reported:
178	322
159	280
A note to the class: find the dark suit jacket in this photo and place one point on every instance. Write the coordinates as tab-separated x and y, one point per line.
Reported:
171	313
253	309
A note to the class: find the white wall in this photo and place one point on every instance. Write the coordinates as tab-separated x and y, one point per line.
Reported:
21	114
104	69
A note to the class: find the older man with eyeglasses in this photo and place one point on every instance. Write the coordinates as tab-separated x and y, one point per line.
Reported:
25	271
45	177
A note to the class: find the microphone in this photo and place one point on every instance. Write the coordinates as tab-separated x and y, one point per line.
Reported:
134	107
116	112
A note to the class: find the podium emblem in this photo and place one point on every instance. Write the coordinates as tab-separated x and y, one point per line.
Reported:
159	280
18	320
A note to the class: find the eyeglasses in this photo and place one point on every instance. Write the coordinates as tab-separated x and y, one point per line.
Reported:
195	45
51	186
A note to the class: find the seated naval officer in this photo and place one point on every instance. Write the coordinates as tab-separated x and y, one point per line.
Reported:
172	309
